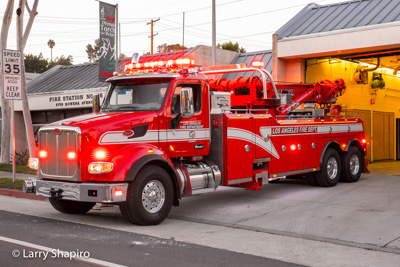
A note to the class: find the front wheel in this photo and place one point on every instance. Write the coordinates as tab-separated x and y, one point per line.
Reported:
70	206
352	160
149	197
329	174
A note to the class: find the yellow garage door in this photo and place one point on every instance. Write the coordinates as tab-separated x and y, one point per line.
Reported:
383	135
365	115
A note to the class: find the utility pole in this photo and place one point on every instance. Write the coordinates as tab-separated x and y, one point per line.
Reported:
214	35
152	35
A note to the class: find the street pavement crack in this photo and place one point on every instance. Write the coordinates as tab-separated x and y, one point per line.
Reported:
260	215
391	242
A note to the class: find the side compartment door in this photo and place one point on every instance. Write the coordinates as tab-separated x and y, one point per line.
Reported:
288	143
188	136
240	149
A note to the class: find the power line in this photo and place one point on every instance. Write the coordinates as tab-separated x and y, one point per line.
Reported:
228	36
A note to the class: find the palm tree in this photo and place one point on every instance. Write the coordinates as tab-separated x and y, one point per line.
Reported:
51	44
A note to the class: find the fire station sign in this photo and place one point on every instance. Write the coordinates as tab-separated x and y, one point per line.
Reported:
12	79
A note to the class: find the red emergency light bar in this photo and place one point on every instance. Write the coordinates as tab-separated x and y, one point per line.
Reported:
152	66
257	63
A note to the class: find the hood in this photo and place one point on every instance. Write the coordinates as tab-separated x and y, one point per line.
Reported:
109	121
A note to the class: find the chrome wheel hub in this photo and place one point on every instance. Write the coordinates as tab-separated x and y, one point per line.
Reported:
153	196
332	168
354	164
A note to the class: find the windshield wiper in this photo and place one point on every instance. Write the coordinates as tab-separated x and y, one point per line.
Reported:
125	107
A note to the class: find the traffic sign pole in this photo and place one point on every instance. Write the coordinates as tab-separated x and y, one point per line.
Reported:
12	87
13	136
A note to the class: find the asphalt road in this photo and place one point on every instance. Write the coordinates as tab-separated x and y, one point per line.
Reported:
35	241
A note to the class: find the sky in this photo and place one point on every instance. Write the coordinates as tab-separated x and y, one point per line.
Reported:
73	24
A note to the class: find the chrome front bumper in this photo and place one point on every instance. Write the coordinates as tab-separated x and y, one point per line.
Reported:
87	192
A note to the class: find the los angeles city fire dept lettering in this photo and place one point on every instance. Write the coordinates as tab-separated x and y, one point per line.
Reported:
294	130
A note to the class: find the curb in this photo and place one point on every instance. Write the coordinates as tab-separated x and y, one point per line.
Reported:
19	194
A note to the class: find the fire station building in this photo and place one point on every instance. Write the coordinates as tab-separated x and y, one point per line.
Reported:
357	41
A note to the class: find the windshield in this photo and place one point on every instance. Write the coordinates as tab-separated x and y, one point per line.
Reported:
136	95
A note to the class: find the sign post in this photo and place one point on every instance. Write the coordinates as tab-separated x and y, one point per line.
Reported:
12	86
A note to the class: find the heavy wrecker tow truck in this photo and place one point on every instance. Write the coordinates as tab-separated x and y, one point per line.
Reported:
167	130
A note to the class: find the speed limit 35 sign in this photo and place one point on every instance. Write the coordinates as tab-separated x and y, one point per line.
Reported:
12	74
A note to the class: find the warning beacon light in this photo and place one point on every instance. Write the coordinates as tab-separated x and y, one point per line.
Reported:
257	64
159	66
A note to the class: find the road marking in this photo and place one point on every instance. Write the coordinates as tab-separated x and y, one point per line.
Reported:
39	247
393	174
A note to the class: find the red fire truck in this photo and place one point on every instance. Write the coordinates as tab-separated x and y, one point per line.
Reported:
167	130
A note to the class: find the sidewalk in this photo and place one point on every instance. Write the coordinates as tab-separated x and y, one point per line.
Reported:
22	176
389	167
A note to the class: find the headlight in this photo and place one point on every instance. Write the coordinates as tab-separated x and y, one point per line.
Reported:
100	167
33	163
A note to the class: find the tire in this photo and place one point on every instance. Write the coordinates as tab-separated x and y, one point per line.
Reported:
311	179
352	165
70	206
329	174
274	181
142	209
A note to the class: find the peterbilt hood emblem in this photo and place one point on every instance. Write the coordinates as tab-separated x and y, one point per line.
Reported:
129	133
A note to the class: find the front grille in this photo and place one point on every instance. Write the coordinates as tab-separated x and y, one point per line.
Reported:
57	142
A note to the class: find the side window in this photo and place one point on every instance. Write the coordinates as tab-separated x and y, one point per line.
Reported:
175	103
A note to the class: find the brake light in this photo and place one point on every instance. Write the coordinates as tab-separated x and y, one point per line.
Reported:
118	192
292	147
364	141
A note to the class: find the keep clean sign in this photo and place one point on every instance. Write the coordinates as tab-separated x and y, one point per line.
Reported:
12	80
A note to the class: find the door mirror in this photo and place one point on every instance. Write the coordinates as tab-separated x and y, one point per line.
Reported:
96	103
187	106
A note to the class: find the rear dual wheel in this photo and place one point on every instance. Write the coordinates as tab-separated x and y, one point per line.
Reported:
352	165
329	174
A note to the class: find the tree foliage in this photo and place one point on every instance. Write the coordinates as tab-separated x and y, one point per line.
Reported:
231	46
38	64
35	64
93	51
66	61
51	44
169	48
